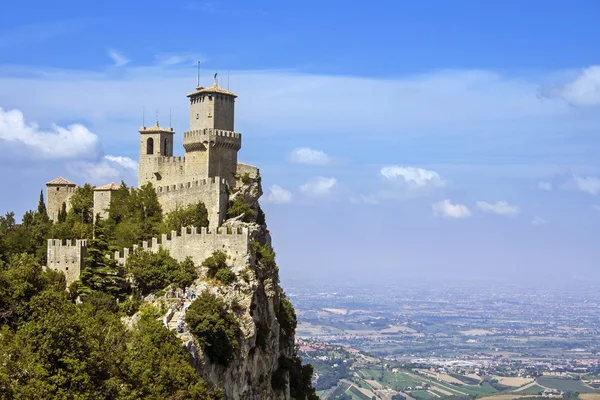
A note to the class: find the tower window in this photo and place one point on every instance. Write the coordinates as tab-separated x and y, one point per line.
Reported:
150	146
210	98
197	116
166	147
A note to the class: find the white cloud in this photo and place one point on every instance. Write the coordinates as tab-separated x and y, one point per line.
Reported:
588	184
169	59
538	221
125	162
119	58
584	90
416	177
500	208
309	156
278	195
74	141
544	186
445	208
108	169
319	186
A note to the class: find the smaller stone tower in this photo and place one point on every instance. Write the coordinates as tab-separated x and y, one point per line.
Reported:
58	191
156	143
102	198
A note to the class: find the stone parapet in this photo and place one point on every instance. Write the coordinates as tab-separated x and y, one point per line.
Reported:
200	138
199	244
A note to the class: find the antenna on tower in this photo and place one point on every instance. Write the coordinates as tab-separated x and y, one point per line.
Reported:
143	117
215	78
157	117
198	81
170	125
227	79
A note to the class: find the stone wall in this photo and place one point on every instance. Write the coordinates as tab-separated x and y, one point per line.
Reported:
199	244
67	257
213	192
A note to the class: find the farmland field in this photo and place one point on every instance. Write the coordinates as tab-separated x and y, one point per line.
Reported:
566	385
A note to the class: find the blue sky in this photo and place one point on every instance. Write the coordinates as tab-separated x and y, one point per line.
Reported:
421	141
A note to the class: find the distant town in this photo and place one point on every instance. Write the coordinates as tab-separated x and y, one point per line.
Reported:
421	342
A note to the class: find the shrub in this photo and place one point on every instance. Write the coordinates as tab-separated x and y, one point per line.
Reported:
238	207
215	328
246	179
265	256
226	276
129	307
286	316
217	261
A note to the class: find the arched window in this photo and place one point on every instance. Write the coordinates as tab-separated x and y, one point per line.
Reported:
165	151
150	146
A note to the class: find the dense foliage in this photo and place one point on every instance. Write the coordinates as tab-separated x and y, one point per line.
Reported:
194	215
154	271
216	328
286	316
52	348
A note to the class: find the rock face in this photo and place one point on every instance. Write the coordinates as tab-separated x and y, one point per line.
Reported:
255	299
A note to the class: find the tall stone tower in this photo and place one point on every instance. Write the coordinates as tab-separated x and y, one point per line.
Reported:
156	143
211	145
58	191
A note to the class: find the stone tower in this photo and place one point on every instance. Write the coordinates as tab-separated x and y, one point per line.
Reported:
156	143
58	191
67	257
211	145
102	198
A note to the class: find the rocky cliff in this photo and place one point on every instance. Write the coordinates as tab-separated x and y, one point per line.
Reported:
264	365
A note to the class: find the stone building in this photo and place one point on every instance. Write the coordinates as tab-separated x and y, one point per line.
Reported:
58	191
205	173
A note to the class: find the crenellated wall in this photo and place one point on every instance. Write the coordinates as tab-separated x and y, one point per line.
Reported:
198	244
161	170
213	192
67	257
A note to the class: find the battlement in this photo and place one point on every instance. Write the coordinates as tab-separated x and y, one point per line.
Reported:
67	243
189	185
199	244
210	131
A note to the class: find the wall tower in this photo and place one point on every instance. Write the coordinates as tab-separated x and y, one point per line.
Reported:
102	198
58	191
156	143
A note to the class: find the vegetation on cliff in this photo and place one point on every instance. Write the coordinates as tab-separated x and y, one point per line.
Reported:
52	348
215	327
57	343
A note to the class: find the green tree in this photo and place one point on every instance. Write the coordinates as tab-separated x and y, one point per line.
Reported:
238	207
194	215
151	271
62	213
100	273
215	327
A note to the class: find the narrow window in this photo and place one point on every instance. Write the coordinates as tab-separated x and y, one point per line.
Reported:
166	147
150	146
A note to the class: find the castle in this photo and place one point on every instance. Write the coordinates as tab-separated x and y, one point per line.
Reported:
206	173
